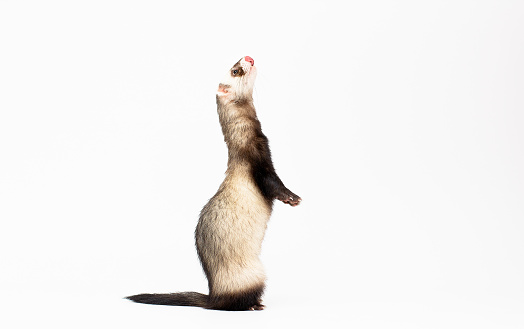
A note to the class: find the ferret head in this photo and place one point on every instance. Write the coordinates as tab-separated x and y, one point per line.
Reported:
239	81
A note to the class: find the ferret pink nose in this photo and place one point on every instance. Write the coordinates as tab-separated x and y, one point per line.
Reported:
249	59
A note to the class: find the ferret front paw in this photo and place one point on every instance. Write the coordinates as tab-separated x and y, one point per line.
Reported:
290	198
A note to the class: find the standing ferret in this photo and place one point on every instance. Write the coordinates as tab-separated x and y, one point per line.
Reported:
232	224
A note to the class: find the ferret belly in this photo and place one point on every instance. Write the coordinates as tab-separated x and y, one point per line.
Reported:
231	229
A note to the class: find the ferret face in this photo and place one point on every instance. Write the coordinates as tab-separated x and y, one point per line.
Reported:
239	81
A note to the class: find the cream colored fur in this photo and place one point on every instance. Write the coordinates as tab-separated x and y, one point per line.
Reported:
234	223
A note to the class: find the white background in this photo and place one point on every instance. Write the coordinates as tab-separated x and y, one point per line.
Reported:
400	124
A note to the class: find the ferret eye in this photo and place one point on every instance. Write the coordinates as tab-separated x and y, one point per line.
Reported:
235	72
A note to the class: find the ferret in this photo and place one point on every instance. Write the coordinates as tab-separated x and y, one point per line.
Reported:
232	224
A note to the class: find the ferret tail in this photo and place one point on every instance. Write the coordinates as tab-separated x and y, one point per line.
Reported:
174	299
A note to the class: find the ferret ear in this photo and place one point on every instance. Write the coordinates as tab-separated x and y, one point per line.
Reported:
222	90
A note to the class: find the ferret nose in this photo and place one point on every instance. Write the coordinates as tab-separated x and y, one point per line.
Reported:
249	59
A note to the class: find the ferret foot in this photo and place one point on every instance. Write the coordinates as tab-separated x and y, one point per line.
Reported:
290	198
256	308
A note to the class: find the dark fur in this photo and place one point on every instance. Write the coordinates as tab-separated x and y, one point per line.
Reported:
247	300
237	70
256	152
177	299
